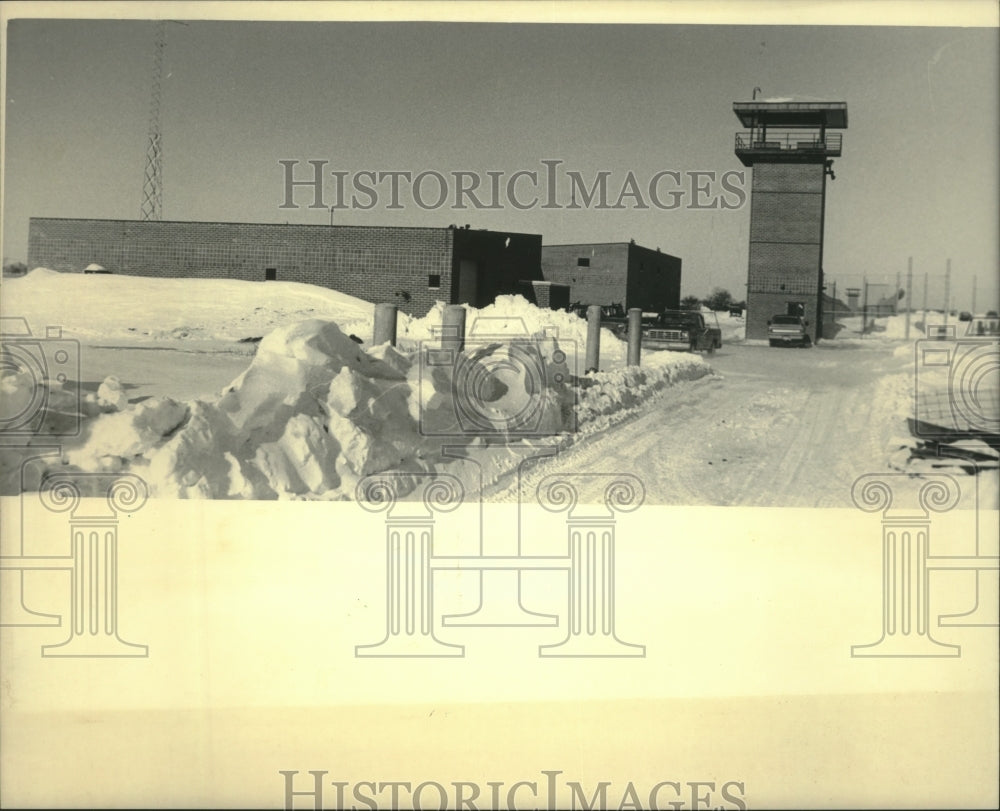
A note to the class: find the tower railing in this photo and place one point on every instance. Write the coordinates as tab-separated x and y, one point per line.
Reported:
789	141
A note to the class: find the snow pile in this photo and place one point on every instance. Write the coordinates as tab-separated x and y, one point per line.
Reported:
29	405
316	411
509	315
137	309
733	327
608	396
888	328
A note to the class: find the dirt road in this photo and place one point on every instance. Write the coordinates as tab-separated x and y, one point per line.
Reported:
774	427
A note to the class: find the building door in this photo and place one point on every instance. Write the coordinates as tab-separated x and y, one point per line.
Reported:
271	275
468	282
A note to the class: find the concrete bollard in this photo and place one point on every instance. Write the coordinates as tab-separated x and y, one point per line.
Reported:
593	338
634	335
385	325
453	327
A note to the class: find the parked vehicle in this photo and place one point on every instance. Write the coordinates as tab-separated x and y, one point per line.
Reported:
684	331
788	330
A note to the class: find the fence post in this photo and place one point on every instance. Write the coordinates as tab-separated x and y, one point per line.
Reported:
909	294
634	335
593	338
385	325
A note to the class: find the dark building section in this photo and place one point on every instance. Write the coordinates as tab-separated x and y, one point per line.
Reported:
410	267
488	264
614	273
790	147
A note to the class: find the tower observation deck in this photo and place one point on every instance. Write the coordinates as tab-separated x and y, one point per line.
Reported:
790	146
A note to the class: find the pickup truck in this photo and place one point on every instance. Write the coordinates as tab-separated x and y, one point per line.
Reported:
785	330
683	330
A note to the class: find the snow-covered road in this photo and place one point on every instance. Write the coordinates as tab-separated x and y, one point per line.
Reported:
776	427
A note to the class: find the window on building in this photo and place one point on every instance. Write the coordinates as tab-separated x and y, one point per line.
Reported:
271	275
434	281
583	262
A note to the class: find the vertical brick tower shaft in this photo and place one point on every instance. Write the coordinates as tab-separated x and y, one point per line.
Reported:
790	146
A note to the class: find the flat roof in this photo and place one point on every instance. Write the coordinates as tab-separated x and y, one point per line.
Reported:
830	114
585	245
286	225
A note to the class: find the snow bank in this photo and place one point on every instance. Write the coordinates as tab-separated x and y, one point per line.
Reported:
607	397
734	328
568	328
316	411
889	328
143	309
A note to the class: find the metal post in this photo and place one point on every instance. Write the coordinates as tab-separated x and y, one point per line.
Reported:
453	327
864	308
909	294
593	338
384	330
634	335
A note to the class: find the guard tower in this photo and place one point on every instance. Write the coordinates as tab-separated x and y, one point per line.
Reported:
791	149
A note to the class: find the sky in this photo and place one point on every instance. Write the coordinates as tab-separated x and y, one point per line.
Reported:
919	175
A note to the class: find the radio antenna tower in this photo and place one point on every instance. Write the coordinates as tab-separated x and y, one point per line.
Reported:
152	183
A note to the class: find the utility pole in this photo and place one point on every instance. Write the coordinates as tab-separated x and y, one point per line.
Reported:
909	296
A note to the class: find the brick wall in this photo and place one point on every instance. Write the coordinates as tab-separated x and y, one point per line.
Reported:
618	273
604	281
379	264
786	242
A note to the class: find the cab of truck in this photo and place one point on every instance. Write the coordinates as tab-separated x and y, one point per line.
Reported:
684	331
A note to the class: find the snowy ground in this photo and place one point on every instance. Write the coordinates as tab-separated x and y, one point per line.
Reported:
125	310
227	389
772	427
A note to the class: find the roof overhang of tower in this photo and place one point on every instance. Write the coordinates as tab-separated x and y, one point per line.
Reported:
829	114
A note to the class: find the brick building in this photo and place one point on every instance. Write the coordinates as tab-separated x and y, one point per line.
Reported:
615	273
791	147
410	267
